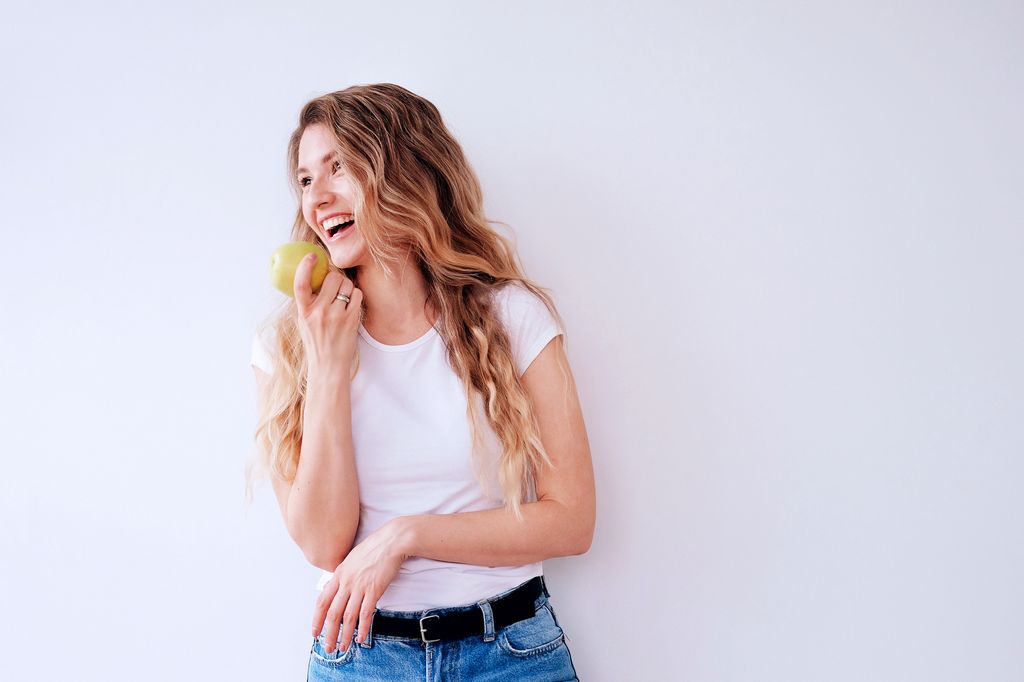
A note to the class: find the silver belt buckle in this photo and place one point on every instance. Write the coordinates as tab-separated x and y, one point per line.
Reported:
423	630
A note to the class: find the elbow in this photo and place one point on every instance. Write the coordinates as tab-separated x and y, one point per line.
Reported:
584	538
580	519
582	544
329	565
326	555
325	560
324	548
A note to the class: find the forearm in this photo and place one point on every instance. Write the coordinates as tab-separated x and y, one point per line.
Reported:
494	537
323	507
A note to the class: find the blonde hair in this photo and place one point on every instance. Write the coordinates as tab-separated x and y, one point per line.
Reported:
419	196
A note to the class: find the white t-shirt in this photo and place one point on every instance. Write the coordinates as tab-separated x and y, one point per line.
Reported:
412	443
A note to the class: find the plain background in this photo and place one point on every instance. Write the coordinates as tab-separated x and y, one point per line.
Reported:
787	241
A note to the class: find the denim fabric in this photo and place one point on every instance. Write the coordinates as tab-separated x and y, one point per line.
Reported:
531	649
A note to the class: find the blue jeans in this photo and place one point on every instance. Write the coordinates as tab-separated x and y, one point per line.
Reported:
532	649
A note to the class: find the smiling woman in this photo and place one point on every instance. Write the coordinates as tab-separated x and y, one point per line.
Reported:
419	420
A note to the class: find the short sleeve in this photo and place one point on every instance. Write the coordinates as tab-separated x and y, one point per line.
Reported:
260	356
529	323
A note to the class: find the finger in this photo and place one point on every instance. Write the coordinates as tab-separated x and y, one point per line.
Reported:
366	616
351	615
361	308
329	288
333	624
323	602
346	287
302	285
355	299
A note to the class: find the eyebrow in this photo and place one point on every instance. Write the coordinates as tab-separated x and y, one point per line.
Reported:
327	157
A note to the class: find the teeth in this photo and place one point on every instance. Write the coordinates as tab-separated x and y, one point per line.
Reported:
335	221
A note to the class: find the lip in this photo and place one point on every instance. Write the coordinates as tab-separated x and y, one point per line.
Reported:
322	220
338	236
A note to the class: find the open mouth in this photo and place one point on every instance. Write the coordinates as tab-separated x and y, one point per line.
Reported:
340	230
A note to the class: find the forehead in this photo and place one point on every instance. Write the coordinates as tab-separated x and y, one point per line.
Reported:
315	146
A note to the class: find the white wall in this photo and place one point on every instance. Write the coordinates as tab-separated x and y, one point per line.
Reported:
786	239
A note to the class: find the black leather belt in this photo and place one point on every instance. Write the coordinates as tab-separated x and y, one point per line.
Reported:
515	606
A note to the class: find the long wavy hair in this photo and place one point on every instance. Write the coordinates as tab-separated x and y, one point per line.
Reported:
418	196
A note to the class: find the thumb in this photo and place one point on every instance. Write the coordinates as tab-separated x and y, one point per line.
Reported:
302	287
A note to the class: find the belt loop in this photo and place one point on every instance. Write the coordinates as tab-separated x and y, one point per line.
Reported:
485	608
368	644
544	586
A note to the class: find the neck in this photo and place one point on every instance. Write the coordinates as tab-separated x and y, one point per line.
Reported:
395	303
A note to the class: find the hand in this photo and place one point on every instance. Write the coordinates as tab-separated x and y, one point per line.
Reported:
327	326
359	581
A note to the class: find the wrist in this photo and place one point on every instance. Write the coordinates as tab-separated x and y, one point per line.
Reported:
406	535
328	378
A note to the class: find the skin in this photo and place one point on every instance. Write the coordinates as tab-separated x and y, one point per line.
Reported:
561	521
394	305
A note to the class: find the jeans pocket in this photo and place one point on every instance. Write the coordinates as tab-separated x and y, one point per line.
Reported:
333	659
534	636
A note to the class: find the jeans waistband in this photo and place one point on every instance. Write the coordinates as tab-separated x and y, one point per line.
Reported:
455	622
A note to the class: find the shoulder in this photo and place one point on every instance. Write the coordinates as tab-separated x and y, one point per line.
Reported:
514	300
527	320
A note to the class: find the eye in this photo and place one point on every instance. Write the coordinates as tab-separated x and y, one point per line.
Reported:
303	181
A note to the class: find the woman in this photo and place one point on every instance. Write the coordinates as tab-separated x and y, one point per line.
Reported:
418	417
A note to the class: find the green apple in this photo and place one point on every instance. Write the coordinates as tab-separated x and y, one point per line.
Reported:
286	259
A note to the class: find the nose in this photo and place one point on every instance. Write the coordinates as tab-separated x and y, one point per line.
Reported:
319	193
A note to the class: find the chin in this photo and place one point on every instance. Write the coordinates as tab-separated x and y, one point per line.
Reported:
343	263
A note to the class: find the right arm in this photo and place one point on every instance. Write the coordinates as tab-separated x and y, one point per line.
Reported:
321	505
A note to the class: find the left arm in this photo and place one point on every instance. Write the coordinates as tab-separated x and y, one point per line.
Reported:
559	523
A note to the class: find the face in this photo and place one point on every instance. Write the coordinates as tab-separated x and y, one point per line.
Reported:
329	191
